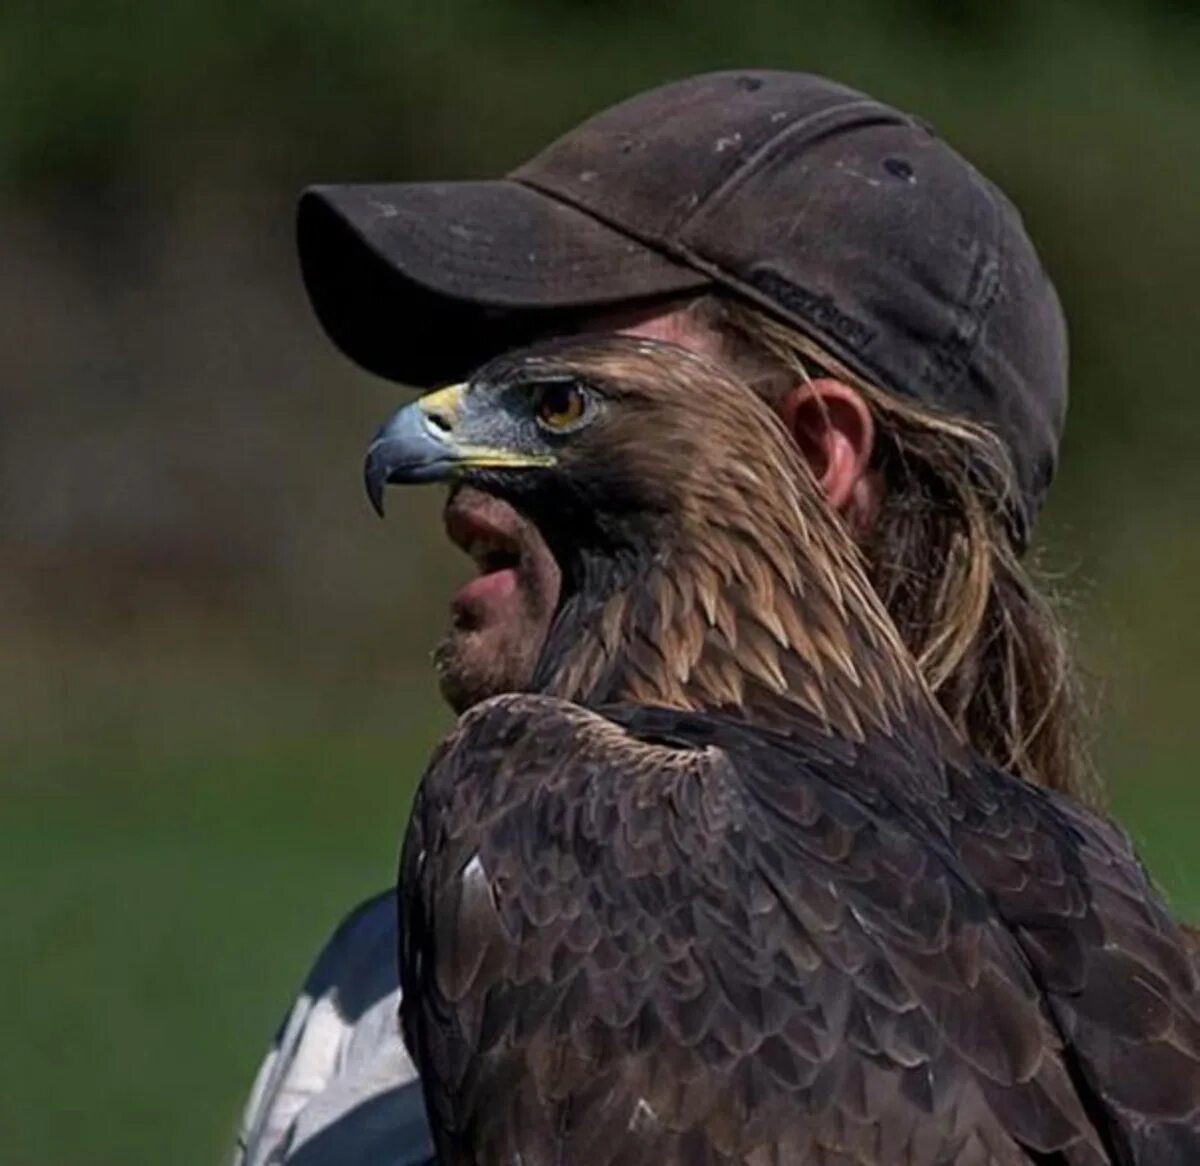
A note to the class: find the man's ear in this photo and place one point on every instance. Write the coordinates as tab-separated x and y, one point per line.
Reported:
834	430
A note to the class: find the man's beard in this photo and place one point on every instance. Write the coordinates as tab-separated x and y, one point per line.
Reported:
466	677
475	664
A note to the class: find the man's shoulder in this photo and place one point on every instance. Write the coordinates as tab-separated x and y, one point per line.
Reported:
338	1084
357	966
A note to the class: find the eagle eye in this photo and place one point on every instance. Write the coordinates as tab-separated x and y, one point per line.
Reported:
559	405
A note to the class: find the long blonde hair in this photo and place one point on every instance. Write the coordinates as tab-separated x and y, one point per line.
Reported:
943	559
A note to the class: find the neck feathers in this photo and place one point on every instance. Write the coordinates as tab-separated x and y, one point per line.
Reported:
759	611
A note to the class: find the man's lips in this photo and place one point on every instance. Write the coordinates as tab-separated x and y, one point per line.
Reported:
486	530
487	542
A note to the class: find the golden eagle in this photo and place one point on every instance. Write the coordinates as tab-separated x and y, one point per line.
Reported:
726	888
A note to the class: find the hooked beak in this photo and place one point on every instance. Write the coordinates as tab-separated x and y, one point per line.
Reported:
421	443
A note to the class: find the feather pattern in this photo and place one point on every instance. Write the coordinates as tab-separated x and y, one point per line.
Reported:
727	889
696	943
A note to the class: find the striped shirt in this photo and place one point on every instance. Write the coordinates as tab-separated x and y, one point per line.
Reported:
338	1085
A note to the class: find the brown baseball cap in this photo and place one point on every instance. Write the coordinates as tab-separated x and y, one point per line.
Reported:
841	215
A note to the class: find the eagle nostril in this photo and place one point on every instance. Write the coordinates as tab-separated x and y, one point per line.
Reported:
439	421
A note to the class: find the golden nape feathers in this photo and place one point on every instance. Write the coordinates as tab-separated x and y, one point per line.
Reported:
753	598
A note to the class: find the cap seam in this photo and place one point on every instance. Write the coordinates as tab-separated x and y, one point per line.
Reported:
835	116
655	242
670	239
373	243
955	354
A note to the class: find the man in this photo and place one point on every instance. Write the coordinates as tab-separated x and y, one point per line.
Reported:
877	290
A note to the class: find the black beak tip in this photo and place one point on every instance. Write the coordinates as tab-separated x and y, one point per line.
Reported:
375	479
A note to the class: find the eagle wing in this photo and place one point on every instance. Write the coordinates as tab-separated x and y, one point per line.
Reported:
675	941
1115	968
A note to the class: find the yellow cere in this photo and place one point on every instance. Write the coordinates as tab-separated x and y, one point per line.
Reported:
444	403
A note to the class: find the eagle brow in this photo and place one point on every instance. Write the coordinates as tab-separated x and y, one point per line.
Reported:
587	384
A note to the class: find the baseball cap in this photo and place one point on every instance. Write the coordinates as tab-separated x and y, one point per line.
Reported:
842	216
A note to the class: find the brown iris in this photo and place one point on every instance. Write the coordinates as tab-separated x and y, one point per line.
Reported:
559	405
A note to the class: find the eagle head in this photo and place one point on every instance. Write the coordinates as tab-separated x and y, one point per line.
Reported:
701	566
609	444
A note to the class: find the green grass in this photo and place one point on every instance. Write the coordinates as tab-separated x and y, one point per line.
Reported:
1161	807
161	905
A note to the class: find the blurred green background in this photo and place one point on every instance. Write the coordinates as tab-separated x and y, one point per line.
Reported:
215	688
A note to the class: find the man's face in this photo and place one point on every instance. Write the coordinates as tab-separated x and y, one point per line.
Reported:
499	620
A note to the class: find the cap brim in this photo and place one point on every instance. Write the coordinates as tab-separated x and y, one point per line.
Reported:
421	282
